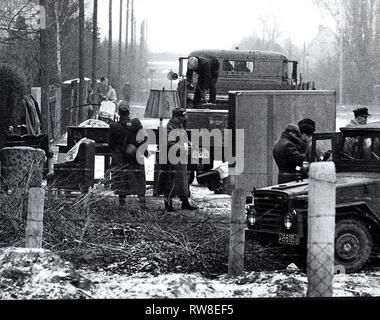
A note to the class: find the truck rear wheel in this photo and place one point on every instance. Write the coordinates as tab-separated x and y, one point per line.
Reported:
353	244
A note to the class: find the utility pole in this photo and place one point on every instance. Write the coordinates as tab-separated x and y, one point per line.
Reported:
109	41
45	114
81	60
120	41
94	42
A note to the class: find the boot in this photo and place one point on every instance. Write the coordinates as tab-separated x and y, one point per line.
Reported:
168	206
187	206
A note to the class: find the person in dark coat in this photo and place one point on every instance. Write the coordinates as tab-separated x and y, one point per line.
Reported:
101	90
91	101
307	128
127	92
361	114
358	147
207	69
286	153
173	178
128	175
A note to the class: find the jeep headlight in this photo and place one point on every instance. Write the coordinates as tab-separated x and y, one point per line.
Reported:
289	219
251	215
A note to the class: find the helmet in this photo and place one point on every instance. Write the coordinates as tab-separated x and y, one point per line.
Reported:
192	63
124	106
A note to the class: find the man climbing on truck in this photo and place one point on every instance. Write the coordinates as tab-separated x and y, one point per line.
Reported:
207	69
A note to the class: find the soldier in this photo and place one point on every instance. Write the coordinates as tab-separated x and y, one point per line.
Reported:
128	175
307	128
101	90
207	69
91	103
286	153
127	92
173	178
357	147
361	115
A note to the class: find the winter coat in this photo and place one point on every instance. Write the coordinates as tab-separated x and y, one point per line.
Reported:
207	70
127	175
357	147
101	92
173	178
286	153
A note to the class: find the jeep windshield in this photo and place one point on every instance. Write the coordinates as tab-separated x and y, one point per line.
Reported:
361	143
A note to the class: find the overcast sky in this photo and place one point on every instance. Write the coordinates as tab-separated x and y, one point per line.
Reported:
183	26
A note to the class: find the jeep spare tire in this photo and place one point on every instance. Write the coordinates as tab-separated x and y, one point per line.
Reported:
353	244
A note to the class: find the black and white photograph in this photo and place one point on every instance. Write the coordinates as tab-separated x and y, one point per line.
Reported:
220	151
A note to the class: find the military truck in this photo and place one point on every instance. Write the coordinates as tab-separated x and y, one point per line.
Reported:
277	215
243	70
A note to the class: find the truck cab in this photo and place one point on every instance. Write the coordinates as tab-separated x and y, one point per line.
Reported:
241	70
278	214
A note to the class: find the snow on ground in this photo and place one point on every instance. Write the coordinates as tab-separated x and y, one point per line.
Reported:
195	286
40	274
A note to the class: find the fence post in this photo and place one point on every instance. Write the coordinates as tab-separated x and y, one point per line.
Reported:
34	223
237	233
321	229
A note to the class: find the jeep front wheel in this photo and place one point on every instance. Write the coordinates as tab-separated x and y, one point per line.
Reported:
353	244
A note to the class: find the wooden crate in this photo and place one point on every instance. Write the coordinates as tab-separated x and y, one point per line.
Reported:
264	115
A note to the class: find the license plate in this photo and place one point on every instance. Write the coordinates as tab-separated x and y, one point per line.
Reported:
287	238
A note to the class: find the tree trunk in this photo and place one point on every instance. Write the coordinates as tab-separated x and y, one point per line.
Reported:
132	29
142	41
58	43
43	70
94	42
109	41
81	59
126	40
120	42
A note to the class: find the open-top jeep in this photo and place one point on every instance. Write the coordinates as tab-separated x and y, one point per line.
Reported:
278	214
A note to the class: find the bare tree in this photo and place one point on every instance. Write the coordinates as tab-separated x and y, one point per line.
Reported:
81	59
132	28
126	39
109	40
356	25
120	41
43	72
94	41
58	40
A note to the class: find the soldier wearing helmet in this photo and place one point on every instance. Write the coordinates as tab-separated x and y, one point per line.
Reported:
207	69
